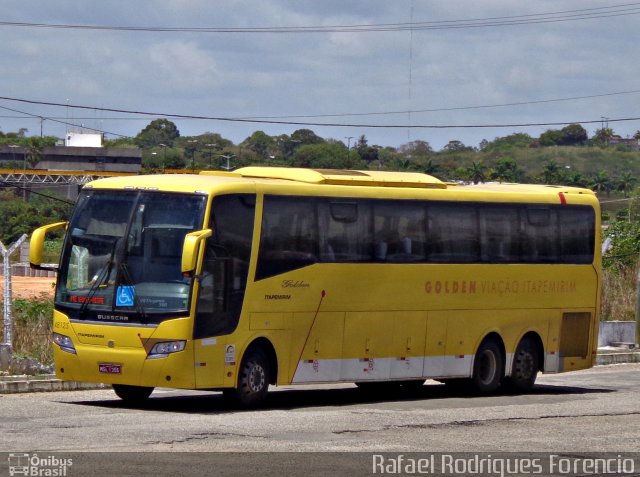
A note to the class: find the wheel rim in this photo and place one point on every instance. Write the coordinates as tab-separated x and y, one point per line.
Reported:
525	365
487	367
257	378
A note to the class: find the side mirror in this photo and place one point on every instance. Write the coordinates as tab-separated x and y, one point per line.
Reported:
191	247
36	244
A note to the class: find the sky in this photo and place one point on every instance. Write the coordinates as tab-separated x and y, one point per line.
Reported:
394	71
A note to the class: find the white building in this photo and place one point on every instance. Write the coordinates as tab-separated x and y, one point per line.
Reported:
82	139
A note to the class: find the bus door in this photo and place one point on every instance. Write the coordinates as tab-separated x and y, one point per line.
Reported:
223	281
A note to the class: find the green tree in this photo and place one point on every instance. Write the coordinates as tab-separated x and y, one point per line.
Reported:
506	170
23	217
601	182
324	156
516	140
431	167
157	132
456	146
575	179
602	136
573	134
624	237
477	172
305	137
367	153
626	182
551	137
551	174
416	148
260	143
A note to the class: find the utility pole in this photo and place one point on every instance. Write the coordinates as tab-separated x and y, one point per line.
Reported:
348	138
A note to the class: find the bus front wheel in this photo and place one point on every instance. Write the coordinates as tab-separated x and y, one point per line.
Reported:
487	367
132	394
253	381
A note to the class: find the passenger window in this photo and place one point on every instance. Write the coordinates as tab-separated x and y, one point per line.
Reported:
453	233
289	238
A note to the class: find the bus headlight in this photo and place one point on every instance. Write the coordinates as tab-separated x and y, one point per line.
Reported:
64	342
164	349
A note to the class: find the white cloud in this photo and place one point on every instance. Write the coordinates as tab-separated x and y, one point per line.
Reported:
322	73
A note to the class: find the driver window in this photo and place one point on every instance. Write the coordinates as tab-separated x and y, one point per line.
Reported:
226	265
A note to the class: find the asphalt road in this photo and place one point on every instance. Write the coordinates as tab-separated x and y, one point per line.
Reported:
596	410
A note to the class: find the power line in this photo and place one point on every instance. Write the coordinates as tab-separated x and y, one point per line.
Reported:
454	108
503	21
334	115
309	123
55	120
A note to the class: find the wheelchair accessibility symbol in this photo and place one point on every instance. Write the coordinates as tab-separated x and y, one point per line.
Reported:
125	296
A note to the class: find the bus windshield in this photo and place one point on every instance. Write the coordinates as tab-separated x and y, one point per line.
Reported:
121	261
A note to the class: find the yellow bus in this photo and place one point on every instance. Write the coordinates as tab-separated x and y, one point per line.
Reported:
236	281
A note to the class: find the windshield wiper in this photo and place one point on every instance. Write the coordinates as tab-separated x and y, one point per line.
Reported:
100	278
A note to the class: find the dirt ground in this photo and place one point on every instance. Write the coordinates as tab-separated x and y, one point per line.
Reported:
29	287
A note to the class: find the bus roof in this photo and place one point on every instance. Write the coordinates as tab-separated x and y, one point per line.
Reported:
211	181
341	177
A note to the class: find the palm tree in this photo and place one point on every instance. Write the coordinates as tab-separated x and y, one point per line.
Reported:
431	168
600	182
551	173
626	183
575	179
477	172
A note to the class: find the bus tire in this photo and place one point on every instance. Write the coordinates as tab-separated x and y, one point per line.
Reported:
132	394
525	366
488	367
253	380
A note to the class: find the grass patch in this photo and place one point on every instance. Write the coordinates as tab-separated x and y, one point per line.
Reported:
619	294
32	328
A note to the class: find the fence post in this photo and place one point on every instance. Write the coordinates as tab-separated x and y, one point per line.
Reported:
8	320
638	308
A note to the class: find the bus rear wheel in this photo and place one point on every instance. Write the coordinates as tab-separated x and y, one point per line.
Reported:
525	366
132	394
253	380
487	367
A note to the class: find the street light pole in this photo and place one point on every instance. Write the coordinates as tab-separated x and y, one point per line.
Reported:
210	146
164	155
228	157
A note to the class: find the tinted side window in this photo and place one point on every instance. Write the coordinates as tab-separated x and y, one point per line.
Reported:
577	228
540	235
499	228
300	231
289	238
453	233
346	230
399	231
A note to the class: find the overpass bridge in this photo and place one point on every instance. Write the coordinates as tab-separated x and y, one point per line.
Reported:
66	183
42	176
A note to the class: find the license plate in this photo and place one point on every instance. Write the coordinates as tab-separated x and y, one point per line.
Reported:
107	368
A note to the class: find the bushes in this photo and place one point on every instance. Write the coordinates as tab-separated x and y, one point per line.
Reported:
32	328
620	264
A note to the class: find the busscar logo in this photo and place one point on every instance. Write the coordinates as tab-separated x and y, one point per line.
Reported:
33	465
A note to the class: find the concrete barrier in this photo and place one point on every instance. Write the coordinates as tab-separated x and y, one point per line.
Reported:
43	384
613	333
25	270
